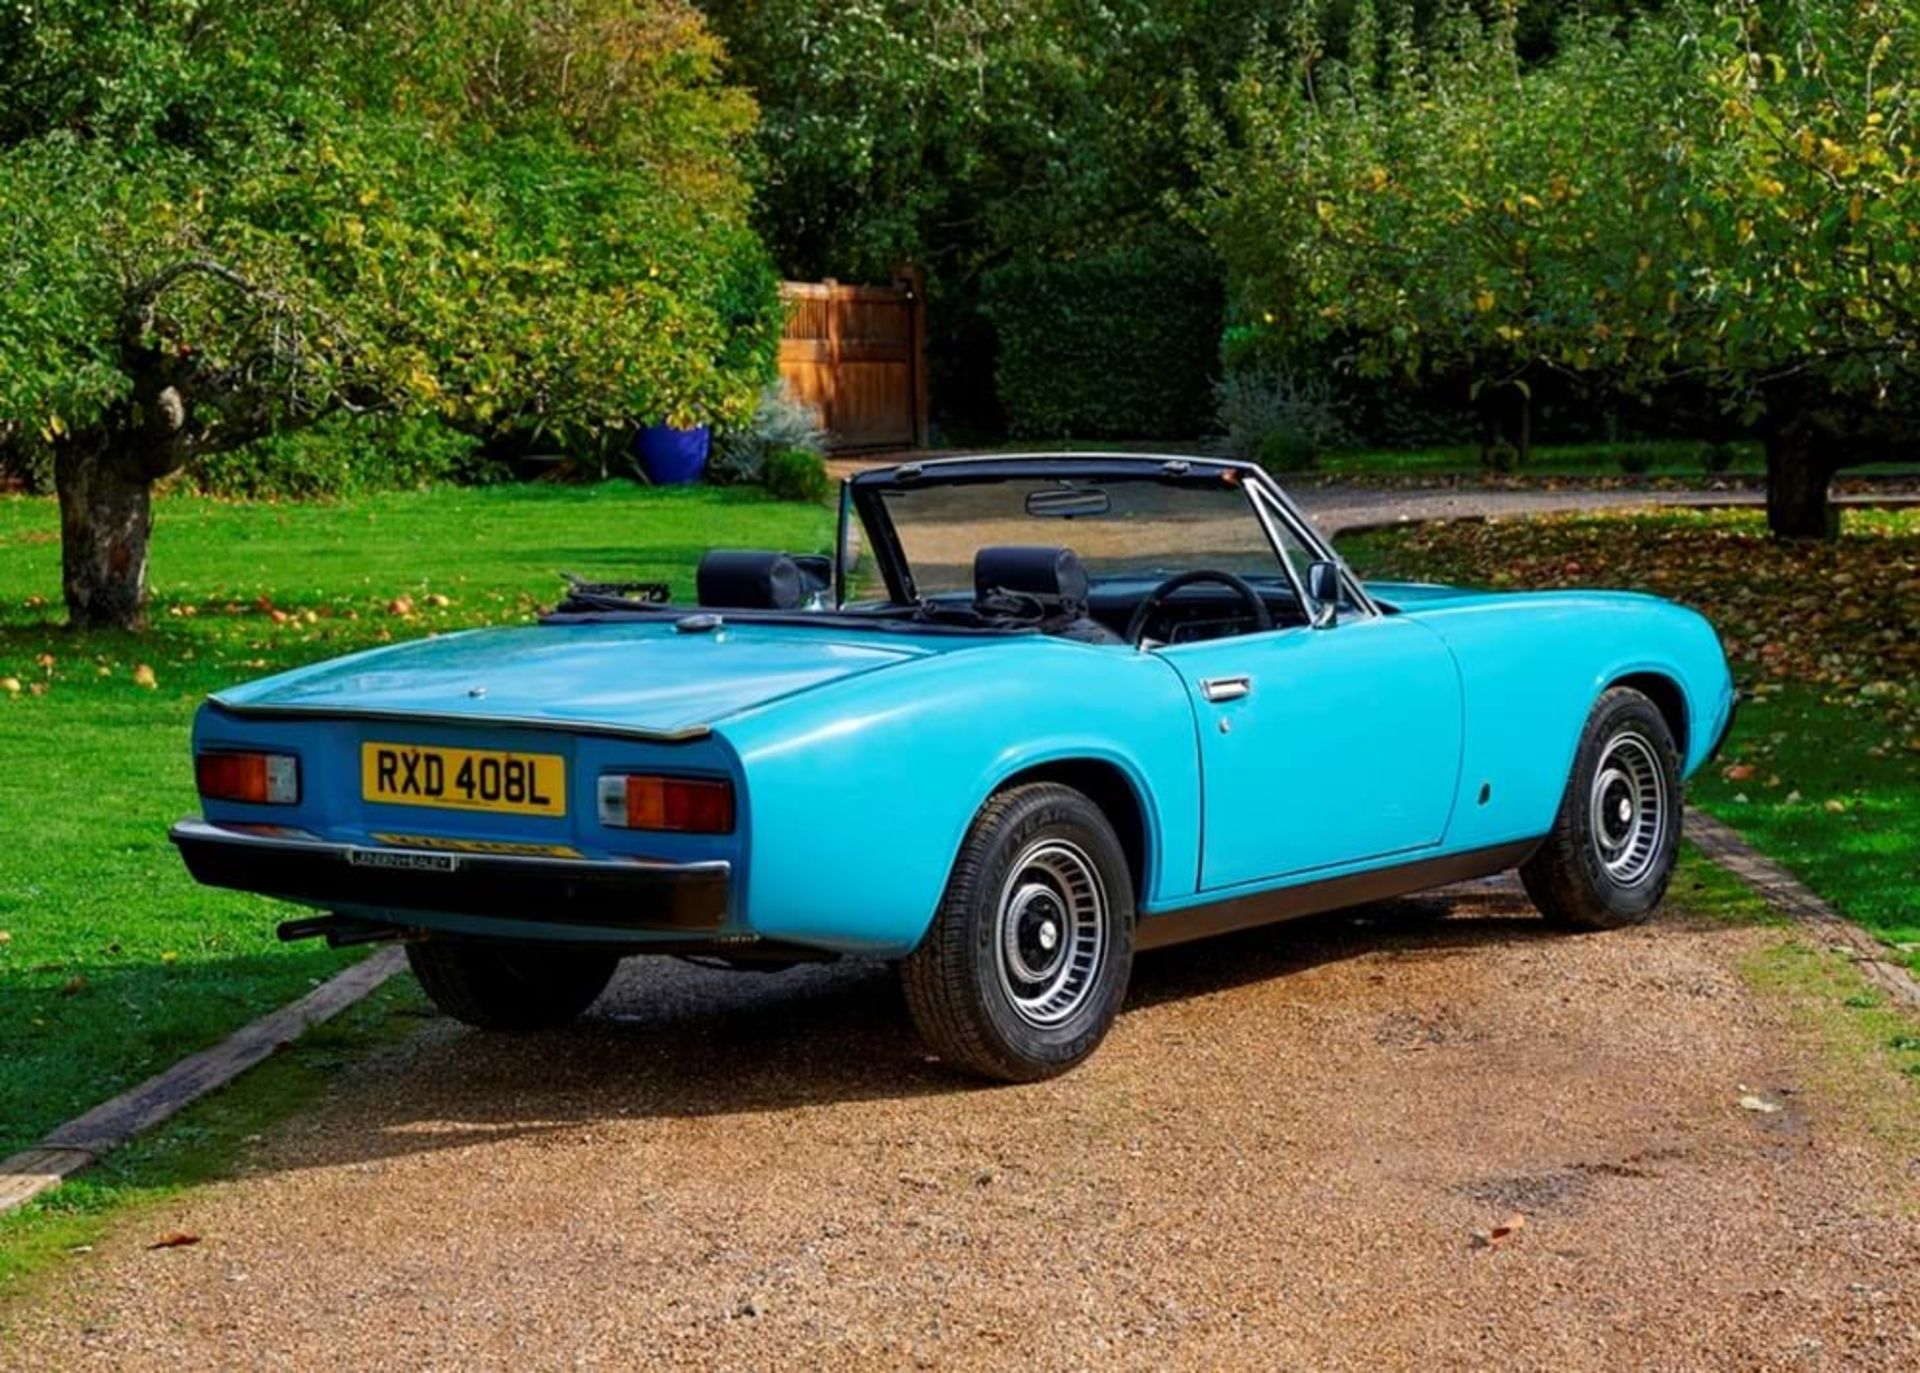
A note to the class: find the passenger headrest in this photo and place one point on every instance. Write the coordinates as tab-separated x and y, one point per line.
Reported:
748	579
1050	573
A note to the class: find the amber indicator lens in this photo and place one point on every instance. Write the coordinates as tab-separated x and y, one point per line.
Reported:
260	779
685	805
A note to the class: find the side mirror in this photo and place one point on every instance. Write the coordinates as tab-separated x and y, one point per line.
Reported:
1323	590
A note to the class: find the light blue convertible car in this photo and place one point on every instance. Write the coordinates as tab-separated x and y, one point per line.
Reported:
1034	714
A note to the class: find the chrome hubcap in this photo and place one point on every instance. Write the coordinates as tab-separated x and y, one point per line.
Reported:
1629	807
1051	931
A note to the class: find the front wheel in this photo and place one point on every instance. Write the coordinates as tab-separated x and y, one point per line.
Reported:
1608	859
1027	961
514	987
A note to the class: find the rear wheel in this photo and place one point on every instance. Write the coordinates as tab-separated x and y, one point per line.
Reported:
509	986
1027	961
1611	852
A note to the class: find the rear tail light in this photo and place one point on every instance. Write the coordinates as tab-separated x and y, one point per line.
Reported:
262	779
688	805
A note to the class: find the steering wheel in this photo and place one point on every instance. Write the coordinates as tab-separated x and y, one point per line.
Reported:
1143	614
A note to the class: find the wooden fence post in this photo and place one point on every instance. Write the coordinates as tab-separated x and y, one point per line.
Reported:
913	281
830	406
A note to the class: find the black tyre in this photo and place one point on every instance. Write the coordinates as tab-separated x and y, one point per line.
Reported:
1027	961
514	987
1611	852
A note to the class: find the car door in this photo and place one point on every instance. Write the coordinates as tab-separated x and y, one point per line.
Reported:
1321	747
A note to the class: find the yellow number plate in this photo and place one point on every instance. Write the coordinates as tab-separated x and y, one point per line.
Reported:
464	779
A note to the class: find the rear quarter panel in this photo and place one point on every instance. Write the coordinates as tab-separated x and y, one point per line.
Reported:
1532	666
860	793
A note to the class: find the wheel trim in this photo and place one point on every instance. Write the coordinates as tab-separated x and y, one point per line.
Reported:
1050	932
1628	808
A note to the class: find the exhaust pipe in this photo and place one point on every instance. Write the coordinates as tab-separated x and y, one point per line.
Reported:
339	931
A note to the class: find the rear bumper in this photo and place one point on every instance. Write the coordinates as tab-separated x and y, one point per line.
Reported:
640	895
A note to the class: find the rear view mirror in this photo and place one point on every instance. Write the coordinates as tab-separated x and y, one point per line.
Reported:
1323	590
1066	503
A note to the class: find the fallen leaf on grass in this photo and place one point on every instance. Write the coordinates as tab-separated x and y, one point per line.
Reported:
143	677
175	1239
10	685
6	936
74	985
1760	1104
1739	772
1501	1233
400	605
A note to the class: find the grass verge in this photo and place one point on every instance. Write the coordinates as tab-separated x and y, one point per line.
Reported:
113	964
1862	1051
1823	768
206	1142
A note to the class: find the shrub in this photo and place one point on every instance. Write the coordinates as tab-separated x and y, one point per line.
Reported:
344	456
1500	456
26	461
797	474
1117	344
1276	416
780	421
1636	458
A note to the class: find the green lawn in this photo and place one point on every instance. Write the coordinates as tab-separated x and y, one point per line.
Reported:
1823	769
1669	458
1668	461
112	963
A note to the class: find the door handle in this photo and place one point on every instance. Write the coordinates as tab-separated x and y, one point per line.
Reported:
1225	688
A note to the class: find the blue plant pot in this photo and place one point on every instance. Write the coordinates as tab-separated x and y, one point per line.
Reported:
673	457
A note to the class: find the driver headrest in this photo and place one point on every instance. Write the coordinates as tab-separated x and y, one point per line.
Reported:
1050	573
748	579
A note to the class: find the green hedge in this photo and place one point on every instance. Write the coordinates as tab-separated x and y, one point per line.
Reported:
1123	343
345	456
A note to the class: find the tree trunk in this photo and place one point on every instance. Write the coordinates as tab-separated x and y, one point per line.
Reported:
1506	425
106	514
1797	479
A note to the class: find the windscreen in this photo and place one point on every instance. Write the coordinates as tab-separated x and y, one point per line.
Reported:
1119	527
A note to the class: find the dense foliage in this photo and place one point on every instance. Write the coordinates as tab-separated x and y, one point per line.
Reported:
348	455
960	134
1710	210
496	211
1113	344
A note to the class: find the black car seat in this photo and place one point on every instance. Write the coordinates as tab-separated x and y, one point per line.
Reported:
748	579
1051	577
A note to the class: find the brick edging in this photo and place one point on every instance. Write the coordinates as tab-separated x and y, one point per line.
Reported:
1790	896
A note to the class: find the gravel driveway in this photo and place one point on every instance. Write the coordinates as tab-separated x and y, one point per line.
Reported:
1291	1152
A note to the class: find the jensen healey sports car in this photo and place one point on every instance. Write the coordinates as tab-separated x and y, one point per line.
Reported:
1032	716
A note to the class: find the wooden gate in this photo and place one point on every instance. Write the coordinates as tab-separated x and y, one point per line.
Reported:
857	354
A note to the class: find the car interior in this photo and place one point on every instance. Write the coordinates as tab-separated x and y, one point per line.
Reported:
1044	587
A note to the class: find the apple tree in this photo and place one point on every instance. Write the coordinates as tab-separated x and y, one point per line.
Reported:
1709	211
220	219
